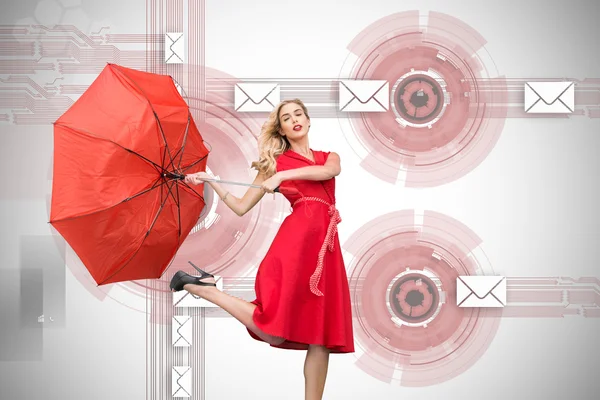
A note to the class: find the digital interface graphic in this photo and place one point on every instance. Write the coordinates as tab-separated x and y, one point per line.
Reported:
421	102
421	337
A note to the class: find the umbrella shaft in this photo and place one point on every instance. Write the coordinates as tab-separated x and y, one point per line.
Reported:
233	183
182	177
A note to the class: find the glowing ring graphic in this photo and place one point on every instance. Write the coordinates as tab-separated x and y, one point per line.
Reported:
434	87
462	123
414	298
422	252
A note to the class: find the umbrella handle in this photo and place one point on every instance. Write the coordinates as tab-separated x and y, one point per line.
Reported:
173	175
287	190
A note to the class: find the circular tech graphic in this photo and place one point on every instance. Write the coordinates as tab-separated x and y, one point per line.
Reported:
413	299
409	329
221	243
447	105
418	99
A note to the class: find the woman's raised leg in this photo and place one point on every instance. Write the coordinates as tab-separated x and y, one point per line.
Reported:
239	309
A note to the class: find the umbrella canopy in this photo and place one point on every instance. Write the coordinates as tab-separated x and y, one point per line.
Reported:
120	154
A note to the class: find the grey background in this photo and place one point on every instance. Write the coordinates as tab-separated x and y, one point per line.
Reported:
533	202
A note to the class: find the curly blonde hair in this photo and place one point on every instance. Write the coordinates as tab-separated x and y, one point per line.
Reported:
271	143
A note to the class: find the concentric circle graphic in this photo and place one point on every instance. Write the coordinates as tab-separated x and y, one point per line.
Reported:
413	299
221	241
419	99
447	103
409	330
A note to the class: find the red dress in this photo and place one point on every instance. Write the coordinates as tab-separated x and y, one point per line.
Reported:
301	285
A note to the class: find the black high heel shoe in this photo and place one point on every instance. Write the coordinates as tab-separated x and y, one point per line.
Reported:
180	279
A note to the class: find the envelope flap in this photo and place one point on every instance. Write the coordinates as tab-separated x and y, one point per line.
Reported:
364	90
549	92
481	286
181	319
181	370
174	36
257	92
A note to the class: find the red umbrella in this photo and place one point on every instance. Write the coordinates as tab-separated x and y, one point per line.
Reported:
121	152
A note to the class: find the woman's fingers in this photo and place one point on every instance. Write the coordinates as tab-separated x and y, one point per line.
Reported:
192	179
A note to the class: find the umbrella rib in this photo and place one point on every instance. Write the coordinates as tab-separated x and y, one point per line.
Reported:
198	194
178	202
167	150
171	193
156	166
164	153
155	115
154	186
182	149
145	236
194	163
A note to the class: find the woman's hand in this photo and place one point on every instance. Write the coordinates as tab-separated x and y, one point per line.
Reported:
197	178
271	184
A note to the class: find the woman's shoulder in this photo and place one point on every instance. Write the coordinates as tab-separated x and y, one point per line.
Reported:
283	161
321	156
323	152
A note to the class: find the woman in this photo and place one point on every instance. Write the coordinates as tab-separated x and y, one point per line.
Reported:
302	296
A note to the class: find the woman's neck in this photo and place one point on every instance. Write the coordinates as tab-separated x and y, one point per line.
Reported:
301	148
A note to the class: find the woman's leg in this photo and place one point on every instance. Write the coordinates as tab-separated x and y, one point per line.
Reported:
239	309
315	371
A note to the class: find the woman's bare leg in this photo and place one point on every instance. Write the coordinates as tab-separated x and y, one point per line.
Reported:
315	371
239	309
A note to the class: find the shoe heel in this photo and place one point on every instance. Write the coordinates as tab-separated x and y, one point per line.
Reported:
202	273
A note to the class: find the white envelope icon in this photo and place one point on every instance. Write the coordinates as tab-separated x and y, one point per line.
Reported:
256	97
481	291
184	298
364	96
181	382
182	331
174	48
549	97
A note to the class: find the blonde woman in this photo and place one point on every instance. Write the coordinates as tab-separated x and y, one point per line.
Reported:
302	295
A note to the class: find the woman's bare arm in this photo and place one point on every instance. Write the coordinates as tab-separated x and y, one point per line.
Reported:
316	172
241	206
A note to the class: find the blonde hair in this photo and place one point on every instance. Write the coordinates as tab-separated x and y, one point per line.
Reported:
271	143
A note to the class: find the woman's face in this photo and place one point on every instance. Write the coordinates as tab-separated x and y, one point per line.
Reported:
293	120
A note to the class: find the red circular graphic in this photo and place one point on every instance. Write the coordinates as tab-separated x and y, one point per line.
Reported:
413	299
414	260
446	112
221	241
418	99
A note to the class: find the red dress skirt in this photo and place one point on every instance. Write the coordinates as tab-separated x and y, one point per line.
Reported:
301	286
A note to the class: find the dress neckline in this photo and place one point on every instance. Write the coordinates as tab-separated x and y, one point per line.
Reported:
305	158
